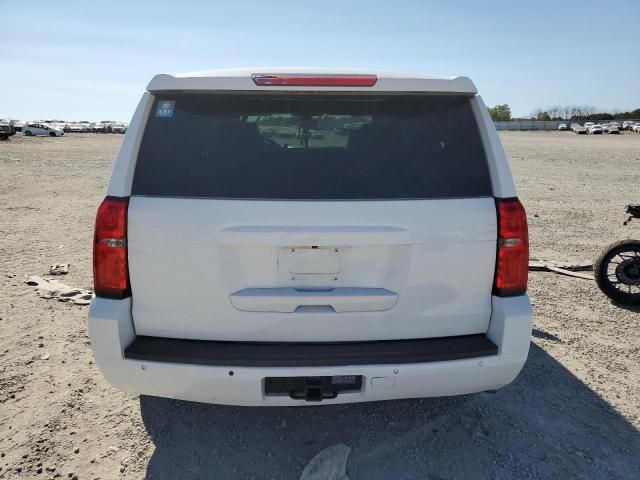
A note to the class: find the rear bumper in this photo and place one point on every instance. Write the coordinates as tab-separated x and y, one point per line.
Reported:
308	354
111	329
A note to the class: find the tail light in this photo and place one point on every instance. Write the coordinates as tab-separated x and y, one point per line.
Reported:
313	80
512	258
110	270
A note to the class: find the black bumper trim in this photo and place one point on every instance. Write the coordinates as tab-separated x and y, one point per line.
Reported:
321	354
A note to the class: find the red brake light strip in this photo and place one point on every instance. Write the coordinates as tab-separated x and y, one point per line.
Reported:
313	80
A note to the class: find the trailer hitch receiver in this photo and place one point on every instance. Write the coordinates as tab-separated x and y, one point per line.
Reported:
312	389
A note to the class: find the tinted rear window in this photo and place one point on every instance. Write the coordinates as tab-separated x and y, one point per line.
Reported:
311	147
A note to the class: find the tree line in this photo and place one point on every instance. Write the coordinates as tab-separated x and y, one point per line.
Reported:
502	113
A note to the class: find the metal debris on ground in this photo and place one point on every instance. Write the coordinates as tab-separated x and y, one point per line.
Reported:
59	269
562	268
55	289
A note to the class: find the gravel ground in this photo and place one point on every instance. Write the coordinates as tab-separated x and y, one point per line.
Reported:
572	413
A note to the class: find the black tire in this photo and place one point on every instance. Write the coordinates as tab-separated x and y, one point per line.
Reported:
52	134
28	133
611	283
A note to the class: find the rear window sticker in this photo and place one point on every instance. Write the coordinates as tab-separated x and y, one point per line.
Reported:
165	108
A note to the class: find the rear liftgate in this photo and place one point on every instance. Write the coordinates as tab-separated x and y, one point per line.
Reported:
323	271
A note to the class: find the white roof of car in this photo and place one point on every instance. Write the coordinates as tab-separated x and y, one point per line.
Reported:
241	79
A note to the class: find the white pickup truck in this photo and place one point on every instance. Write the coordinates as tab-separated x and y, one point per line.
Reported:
309	236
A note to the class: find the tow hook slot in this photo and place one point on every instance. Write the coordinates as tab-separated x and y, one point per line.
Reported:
312	389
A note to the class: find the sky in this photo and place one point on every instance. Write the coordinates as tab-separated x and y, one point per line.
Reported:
92	60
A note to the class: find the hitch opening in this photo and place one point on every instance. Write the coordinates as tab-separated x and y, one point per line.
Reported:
312	389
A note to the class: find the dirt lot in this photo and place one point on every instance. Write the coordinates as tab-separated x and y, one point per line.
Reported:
574	412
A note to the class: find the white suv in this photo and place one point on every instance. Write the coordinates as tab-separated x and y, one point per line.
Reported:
296	237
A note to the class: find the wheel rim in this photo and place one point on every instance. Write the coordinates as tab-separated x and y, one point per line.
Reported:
623	271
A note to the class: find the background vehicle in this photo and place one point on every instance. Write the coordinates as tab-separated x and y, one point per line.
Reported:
5	131
617	270
577	128
309	265
41	129
588	125
610	128
594	129
563	126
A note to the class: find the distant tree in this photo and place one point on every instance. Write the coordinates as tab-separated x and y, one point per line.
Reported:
555	112
633	114
500	113
581	113
540	114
